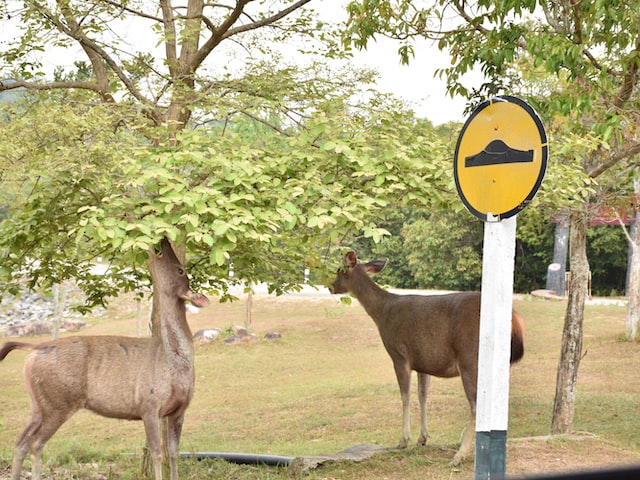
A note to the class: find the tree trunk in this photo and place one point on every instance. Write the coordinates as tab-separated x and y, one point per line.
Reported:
248	321
571	352
633	285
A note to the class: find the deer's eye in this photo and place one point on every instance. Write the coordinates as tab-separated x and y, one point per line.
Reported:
180	271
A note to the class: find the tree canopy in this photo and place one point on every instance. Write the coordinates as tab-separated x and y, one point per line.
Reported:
269	201
182	119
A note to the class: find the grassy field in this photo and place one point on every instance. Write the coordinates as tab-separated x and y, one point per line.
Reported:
328	384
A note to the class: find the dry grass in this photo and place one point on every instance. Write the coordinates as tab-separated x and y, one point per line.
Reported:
328	384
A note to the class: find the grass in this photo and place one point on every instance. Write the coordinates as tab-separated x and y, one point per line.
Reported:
328	384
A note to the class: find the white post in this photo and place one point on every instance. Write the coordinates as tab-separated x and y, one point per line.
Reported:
492	409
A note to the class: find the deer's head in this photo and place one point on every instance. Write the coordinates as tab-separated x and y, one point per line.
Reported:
170	277
343	283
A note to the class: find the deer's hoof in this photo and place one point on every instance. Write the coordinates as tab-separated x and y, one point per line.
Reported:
457	460
422	441
403	443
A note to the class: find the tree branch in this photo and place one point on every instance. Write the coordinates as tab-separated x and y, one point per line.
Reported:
613	159
467	18
137	13
75	32
225	31
170	38
96	62
50	86
630	78
267	21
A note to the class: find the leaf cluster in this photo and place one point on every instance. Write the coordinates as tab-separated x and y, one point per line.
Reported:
576	63
266	202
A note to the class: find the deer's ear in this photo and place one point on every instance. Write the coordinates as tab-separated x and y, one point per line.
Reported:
374	266
350	260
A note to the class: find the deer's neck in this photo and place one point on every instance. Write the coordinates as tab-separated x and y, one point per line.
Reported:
373	298
176	335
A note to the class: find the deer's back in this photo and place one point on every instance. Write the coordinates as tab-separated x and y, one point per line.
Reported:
434	333
110	375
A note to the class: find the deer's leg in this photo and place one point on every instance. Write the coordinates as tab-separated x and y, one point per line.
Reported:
423	389
468	441
403	374
41	428
24	445
20	452
174	430
152	429
469	381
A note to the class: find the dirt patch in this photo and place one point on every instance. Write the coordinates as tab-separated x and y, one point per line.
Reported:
545	454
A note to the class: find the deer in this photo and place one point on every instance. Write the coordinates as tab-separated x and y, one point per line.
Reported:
434	335
120	377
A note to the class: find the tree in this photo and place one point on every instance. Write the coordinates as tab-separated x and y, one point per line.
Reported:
588	54
270	204
633	284
173	116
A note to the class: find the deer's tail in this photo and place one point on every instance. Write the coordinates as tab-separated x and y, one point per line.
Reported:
9	346
517	337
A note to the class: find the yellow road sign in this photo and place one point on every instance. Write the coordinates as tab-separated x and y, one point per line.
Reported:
500	158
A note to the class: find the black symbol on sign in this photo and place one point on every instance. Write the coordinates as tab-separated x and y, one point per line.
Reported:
497	152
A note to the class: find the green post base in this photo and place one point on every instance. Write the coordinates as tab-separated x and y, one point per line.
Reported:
491	455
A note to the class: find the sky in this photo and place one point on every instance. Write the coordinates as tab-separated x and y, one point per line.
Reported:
414	83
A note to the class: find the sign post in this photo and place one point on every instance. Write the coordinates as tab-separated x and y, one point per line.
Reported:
499	163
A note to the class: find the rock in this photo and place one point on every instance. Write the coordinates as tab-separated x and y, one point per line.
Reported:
239	331
240	336
27	329
239	339
32	314
356	453
207	335
72	325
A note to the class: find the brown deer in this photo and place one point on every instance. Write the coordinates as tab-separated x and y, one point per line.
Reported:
129	378
431	334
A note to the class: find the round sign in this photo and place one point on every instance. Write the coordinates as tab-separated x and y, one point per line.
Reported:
500	158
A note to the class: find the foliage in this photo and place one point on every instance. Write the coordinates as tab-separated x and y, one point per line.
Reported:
534	249
607	249
267	202
57	158
264	166
443	250
432	259
576	64
397	273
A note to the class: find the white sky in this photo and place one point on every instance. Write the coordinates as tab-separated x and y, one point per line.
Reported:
415	82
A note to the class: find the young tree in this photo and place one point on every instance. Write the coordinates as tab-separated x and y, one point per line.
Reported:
590	54
177	164
271	204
